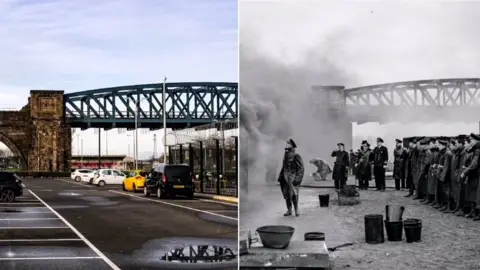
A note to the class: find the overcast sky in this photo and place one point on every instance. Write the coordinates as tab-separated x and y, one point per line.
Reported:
371	43
82	45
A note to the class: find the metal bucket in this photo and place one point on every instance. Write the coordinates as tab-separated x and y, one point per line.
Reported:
394	213
275	236
245	241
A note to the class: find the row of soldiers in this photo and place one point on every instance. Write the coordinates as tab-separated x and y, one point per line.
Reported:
442	172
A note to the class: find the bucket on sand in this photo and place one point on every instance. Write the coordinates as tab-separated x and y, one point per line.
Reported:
374	229
394	212
324	199
394	230
413	230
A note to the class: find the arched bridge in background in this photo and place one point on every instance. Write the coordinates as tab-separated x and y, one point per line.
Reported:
40	133
443	100
188	105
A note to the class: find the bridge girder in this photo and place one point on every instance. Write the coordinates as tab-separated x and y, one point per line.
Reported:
188	104
404	115
443	92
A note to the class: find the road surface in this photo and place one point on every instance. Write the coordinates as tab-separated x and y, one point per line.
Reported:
61	224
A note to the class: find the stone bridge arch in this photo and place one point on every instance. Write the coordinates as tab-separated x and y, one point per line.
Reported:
16	150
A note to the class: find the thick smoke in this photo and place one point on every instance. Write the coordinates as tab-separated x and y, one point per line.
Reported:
277	103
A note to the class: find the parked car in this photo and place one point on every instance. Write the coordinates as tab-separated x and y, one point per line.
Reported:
108	177
135	181
79	174
170	180
88	177
11	186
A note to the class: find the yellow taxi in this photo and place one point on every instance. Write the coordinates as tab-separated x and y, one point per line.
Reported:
134	181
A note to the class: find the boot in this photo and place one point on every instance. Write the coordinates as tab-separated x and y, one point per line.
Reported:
471	214
289	209
449	208
442	208
437	205
460	213
410	194
427	201
477	215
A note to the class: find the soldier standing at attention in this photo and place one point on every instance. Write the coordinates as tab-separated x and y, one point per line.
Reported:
432	177
444	174
291	177
449	186
340	168
470	174
455	173
463	142
420	179
364	166
380	160
399	160
410	166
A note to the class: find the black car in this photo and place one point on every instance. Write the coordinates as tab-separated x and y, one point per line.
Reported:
10	186
170	180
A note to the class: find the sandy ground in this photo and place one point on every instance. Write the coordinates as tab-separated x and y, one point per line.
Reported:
448	242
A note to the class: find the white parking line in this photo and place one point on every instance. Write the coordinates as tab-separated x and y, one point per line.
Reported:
33	228
95	249
41	240
213	201
20	203
49	258
175	205
76	183
28	218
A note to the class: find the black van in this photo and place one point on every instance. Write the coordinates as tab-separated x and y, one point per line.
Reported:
170	180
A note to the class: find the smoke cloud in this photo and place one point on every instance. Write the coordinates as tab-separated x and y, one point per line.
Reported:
277	103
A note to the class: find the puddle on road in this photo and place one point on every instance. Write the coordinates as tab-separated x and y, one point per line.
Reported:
200	254
187	253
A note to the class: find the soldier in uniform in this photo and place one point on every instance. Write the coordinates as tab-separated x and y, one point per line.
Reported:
453	173
459	188
420	179
291	177
399	158
470	174
444	175
380	161
410	166
340	168
364	166
432	177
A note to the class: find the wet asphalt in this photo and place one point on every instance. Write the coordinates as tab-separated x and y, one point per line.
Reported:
106	228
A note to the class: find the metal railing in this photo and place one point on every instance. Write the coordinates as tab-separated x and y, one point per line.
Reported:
212	151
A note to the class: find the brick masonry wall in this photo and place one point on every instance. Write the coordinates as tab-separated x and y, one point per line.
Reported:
38	133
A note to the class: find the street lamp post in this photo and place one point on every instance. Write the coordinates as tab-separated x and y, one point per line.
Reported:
164	107
136	135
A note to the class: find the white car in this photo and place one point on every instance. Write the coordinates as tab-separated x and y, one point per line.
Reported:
79	174
108	177
88	177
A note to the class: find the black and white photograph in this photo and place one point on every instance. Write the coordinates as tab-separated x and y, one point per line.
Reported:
359	135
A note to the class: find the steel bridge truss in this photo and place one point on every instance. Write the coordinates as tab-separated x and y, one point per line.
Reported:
201	253
432	93
187	105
